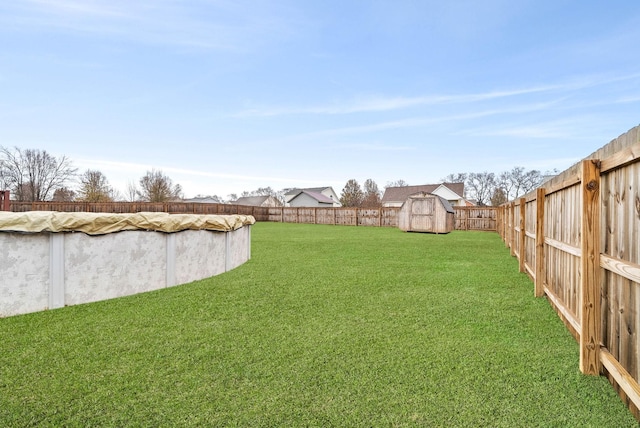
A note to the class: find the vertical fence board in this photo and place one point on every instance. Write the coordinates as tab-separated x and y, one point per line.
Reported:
522	236
540	265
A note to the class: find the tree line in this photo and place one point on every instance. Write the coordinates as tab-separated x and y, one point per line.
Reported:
36	175
480	188
488	188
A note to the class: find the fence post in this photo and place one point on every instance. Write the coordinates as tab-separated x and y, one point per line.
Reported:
512	235
509	222
505	222
541	272
5	200
509	226
523	233
505	226
590	269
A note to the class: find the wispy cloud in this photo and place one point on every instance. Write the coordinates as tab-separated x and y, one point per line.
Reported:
569	128
376	147
522	132
422	121
384	104
379	104
79	7
627	100
219	25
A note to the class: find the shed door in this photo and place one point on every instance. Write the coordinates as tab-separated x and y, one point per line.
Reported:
422	214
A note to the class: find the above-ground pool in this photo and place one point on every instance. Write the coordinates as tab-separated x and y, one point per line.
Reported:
51	259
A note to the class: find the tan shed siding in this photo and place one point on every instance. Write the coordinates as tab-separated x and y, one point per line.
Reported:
425	213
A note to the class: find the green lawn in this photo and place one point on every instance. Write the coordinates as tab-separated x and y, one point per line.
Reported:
325	326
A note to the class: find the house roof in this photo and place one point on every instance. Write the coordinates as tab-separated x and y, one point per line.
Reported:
203	200
293	192
254	201
315	195
400	194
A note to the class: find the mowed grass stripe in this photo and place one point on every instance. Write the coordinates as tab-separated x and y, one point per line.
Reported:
324	326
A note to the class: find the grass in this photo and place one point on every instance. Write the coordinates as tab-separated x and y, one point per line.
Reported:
325	326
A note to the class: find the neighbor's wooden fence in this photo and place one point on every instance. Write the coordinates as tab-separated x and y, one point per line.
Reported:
475	218
578	238
467	218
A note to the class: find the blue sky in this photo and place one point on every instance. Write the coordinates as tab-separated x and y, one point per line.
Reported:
227	96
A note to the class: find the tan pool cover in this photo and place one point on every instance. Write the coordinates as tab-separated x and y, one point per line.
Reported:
102	223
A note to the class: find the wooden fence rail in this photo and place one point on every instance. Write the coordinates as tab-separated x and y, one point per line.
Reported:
467	218
578	238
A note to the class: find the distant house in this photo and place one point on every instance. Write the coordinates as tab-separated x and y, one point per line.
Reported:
313	197
258	201
452	192
204	200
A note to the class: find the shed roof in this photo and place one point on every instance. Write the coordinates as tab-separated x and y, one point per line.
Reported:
400	194
446	204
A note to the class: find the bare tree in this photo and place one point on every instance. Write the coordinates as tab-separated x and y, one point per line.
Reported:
131	192
215	198
459	177
480	186
33	175
518	181
157	187
352	194
499	197
94	187
397	183
372	195
63	194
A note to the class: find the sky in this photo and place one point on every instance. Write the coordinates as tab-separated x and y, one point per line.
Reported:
226	96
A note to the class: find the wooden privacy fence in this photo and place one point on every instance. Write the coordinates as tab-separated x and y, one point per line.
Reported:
467	218
578	238
475	218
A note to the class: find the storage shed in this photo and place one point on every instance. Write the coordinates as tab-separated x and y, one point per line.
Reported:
425	212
